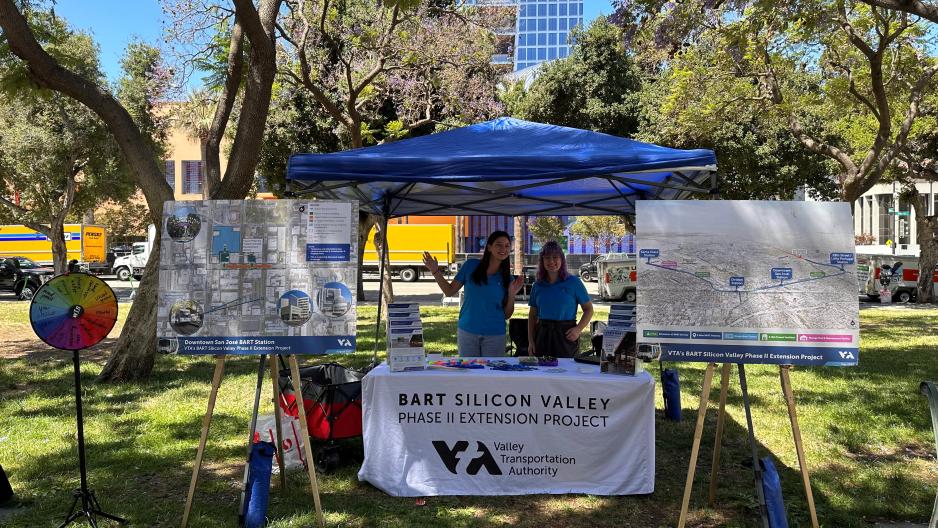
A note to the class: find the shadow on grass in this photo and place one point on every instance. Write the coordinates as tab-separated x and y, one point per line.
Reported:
147	483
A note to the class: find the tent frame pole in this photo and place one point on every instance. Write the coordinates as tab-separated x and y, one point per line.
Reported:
381	256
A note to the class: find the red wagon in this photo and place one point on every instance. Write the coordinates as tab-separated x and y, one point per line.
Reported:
332	397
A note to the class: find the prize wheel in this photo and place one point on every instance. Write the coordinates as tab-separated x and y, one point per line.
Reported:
73	311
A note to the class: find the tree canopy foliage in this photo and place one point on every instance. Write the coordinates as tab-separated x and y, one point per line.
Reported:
596	88
56	156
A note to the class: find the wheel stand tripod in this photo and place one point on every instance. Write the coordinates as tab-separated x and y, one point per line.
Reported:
89	504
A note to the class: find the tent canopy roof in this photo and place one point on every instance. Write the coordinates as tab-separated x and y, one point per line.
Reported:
505	167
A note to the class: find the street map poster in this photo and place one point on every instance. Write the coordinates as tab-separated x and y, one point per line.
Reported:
748	281
258	277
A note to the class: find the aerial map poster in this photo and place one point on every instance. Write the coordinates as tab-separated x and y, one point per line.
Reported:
748	281
258	277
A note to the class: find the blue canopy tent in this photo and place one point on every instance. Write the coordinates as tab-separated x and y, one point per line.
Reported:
504	167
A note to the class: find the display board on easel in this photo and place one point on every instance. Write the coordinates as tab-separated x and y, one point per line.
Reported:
255	277
748	282
258	277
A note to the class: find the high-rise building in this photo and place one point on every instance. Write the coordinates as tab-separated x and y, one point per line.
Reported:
543	30
529	32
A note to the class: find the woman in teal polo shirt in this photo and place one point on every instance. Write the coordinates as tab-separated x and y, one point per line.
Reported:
489	299
552	326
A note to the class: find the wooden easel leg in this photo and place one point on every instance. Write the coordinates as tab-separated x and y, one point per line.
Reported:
206	421
698	433
301	408
718	443
275	381
799	448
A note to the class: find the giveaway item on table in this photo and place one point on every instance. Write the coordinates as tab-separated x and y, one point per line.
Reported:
509	367
406	358
528	360
461	363
547	361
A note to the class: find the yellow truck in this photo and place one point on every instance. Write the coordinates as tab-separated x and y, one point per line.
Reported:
85	243
407	242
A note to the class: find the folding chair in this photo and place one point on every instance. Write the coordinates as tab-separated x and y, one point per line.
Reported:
517	337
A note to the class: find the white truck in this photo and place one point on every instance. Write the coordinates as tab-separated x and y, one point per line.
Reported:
617	277
132	265
899	274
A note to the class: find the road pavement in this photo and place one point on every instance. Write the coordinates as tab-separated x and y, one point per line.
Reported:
426	292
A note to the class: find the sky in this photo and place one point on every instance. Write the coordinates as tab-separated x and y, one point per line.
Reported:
115	23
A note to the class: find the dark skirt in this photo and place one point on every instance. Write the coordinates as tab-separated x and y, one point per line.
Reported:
550	339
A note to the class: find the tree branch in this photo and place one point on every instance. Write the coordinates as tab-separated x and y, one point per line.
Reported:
258	27
912	7
229	93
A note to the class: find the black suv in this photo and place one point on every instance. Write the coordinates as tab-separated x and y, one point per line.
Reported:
588	270
22	276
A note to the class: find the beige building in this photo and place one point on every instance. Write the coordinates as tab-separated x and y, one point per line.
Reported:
184	166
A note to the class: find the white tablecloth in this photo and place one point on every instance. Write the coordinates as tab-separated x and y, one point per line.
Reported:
485	432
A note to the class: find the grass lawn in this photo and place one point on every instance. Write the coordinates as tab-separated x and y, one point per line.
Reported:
867	436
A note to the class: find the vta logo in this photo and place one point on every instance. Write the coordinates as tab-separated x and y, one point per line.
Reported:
450	457
846	355
344	342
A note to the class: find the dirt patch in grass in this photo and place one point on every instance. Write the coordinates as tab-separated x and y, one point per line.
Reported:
34	350
882	454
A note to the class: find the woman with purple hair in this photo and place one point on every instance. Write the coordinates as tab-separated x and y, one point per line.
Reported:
552	326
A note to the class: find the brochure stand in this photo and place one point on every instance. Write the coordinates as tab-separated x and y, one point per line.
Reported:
405	338
698	433
207	421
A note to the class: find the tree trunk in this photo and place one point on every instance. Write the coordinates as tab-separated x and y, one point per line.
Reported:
927	227
133	357
59	251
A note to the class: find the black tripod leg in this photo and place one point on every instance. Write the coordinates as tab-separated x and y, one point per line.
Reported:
89	504
114	518
70	516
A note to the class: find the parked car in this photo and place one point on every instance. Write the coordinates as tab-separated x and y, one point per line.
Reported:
588	270
22	277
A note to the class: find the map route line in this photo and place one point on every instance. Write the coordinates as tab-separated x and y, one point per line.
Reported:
806	259
763	288
232	304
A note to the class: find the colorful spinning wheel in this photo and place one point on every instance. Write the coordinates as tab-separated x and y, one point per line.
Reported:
73	311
